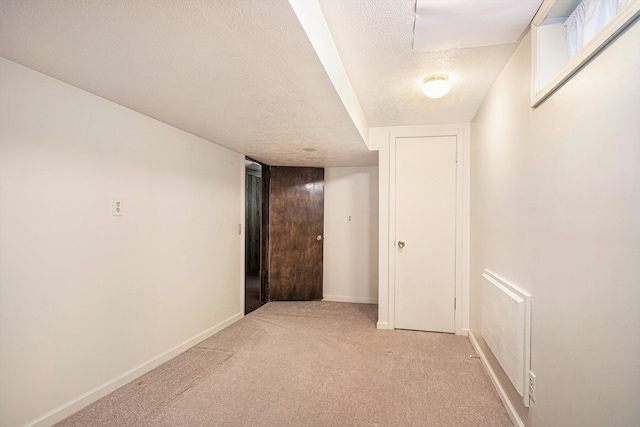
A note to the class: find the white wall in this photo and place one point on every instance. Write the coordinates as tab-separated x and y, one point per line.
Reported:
351	249
555	210
89	300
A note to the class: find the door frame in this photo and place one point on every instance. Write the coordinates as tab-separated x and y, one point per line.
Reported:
264	231
385	140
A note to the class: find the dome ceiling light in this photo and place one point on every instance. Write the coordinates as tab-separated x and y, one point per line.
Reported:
436	86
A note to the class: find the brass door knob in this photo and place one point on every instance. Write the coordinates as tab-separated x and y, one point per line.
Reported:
401	244
319	238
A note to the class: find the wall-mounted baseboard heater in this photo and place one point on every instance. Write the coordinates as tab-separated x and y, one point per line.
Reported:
506	328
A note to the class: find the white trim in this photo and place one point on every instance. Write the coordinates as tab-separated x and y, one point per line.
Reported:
357	300
460	229
69	408
535	62
392	230
383	229
382	325
624	18
545	9
511	411
463	297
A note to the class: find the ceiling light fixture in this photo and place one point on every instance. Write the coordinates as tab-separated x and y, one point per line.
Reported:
436	86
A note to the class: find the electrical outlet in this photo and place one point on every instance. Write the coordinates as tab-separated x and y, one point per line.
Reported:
116	207
532	385
349	219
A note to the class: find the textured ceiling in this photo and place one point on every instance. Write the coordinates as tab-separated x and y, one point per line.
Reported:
239	73
243	73
374	38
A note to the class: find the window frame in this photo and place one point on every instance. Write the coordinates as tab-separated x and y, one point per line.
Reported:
614	27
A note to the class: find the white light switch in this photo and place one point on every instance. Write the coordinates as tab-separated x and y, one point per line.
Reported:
116	207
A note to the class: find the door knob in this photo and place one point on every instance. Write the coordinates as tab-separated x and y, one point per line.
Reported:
319	238
401	244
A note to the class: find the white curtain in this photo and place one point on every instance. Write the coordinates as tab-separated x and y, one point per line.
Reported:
588	19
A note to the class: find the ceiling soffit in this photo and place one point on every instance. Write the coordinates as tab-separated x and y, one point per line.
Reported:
240	74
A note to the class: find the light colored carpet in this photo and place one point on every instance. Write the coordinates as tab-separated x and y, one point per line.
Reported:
309	364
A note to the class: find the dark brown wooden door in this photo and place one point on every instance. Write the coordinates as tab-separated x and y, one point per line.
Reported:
296	233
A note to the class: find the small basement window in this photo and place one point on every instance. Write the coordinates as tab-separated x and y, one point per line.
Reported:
565	34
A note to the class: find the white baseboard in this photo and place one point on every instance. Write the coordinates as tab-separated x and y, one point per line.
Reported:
382	325
69	408
513	415
359	300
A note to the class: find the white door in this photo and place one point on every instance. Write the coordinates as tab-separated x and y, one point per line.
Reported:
425	233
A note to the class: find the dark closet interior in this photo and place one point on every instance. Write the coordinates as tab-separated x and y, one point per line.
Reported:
254	292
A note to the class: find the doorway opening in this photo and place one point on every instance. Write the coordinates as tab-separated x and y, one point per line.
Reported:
255	289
